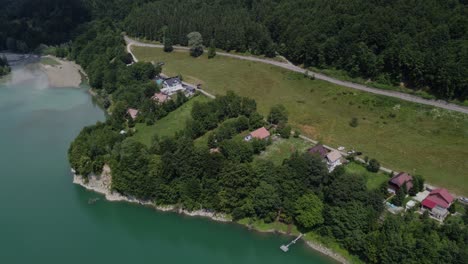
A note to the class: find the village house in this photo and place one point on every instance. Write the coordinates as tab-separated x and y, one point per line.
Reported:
133	113
261	133
160	98
172	85
397	181
437	203
333	160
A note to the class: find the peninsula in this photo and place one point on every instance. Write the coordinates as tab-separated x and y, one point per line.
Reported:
342	127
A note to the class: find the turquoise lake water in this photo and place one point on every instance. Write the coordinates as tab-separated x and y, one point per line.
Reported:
44	218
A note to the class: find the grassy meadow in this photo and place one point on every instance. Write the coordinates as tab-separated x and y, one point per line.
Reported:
168	125
282	149
374	180
403	136
49	61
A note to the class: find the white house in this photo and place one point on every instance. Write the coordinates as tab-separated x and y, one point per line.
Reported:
172	86
333	160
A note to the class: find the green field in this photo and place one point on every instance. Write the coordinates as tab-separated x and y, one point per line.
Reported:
374	180
403	136
282	149
169	125
49	61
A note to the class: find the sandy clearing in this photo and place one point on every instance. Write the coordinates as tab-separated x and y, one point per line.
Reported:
66	74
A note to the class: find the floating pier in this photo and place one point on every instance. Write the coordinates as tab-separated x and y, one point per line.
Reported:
285	248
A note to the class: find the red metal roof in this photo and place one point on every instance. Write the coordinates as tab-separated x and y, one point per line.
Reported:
428	203
319	149
260	133
402	178
444	194
440	197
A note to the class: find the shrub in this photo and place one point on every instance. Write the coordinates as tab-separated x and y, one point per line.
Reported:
354	122
258	145
284	130
373	165
297	133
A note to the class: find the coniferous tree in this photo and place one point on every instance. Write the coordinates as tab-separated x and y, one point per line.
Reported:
168	45
212	49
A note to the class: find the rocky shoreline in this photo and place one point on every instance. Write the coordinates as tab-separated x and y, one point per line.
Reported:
102	183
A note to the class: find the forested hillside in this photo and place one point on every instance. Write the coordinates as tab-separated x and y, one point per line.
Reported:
24	24
4	67
230	23
421	43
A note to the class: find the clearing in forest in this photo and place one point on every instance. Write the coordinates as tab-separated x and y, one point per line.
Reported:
403	136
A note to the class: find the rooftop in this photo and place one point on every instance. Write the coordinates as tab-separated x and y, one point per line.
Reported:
160	97
173	81
260	133
440	197
334	156
319	149
401	179
133	113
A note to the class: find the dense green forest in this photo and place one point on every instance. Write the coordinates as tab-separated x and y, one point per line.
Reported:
229	23
25	24
4	67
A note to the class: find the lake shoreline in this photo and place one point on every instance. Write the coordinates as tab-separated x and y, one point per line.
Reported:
101	184
64	74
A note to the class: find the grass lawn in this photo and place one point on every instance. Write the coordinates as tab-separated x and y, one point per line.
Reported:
169	125
342	75
374	180
282	149
203	140
403	136
261	226
49	61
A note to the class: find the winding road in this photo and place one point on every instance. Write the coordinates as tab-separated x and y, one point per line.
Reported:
289	66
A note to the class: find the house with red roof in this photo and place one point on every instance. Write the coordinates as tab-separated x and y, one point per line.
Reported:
261	133
160	97
397	181
437	202
133	113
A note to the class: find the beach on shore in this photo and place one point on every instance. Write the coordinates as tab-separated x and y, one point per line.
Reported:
102	184
62	73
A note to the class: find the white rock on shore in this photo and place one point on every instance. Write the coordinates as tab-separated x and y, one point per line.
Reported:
102	184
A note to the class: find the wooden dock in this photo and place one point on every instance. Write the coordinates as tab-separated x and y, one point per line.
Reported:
285	248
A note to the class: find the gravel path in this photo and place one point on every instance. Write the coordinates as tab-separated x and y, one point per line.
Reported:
403	96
